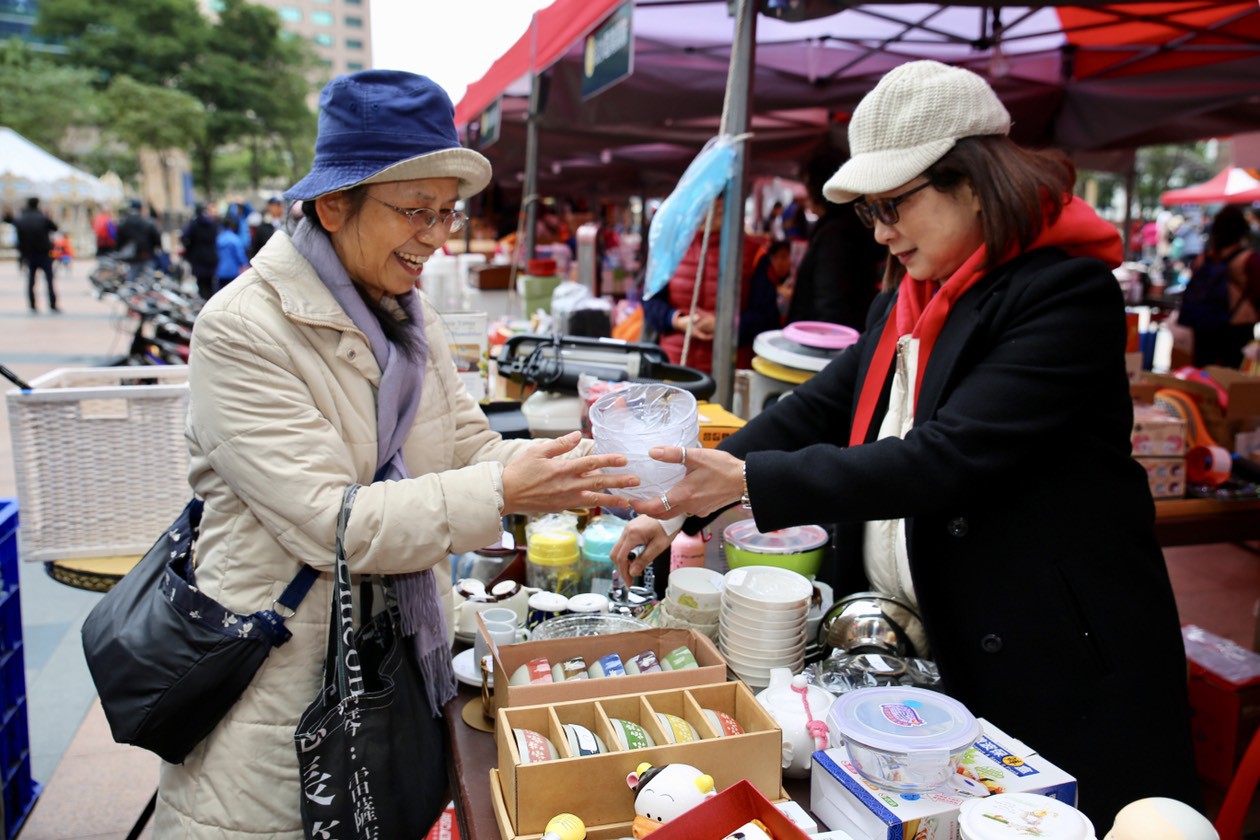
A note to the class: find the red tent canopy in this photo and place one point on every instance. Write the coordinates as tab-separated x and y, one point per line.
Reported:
1233	185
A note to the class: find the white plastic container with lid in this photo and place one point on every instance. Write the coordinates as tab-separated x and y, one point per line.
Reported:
1017	816
902	738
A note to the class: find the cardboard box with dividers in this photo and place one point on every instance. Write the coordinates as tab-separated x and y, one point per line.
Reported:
526	795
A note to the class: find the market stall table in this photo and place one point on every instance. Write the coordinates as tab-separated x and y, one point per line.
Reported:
1199	521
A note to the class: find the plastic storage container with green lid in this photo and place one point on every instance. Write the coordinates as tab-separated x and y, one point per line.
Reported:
902	738
799	548
1017	816
598	539
552	562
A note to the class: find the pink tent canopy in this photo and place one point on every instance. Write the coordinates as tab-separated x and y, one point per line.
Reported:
1232	185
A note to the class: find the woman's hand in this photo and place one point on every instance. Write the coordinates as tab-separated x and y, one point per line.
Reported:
651	534
703	323
540	481
714	480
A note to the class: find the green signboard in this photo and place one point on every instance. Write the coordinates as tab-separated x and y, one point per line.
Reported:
609	52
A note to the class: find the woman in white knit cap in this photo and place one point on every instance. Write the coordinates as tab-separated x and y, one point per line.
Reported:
973	447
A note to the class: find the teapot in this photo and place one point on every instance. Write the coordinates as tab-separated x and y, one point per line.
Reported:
800	709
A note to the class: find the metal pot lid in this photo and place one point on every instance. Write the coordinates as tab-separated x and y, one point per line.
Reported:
744	535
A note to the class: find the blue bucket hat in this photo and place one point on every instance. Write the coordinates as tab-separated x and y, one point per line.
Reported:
387	125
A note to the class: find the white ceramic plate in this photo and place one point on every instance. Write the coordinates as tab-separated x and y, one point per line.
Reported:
769	587
467	670
763	619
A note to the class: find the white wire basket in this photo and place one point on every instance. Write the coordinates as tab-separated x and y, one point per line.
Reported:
100	460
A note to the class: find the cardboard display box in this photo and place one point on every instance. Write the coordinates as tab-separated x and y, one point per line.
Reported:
1224	703
1166	476
490	276
1157	433
716	424
594	786
661	640
736	805
843	799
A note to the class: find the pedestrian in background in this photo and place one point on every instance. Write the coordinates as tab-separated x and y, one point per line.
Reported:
232	259
139	240
271	221
35	246
201	250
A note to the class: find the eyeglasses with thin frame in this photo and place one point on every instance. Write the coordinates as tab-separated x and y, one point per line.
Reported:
424	218
884	209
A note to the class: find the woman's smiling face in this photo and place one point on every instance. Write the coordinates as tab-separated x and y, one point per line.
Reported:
378	246
935	231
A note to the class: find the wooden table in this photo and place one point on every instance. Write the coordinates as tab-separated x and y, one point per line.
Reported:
1198	521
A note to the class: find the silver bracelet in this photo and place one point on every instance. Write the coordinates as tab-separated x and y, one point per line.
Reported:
744	501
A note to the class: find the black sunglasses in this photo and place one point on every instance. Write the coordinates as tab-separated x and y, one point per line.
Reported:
884	209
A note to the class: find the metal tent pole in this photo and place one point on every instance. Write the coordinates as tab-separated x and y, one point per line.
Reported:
738	99
529	194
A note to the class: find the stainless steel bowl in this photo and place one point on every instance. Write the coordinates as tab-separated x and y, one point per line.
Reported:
868	622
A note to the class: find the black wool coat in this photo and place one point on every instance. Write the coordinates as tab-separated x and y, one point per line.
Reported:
1030	528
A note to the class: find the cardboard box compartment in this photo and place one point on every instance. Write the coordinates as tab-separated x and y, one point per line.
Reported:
594	786
844	800
661	640
1166	476
1243	390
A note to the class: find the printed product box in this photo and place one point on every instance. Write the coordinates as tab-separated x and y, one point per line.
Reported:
716	423
1224	703
842	799
712	667
526	794
1166	476
1157	433
466	332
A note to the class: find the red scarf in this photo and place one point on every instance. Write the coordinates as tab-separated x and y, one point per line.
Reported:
923	306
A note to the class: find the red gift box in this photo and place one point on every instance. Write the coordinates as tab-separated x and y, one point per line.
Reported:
717	817
1224	693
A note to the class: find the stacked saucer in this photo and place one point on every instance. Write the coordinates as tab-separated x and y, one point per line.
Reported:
762	623
693	600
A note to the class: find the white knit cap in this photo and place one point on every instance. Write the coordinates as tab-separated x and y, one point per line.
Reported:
916	114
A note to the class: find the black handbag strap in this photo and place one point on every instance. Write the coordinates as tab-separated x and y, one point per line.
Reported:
342	620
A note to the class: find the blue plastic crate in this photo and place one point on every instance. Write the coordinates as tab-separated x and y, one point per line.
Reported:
15	742
12	681
10	622
8	545
19	793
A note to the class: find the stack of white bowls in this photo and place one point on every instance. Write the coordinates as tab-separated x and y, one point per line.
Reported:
693	600
762	624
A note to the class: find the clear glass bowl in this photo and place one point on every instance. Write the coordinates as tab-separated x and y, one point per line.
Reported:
596	624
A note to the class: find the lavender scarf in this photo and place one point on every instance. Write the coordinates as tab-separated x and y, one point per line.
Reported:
397	401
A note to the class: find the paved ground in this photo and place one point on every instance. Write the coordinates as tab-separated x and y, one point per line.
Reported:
60	695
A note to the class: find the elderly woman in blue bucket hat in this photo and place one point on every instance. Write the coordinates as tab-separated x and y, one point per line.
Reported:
320	367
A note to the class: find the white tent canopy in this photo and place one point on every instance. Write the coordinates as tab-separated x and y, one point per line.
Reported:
27	170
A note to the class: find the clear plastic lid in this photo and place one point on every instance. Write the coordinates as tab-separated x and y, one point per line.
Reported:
904	719
1017	816
744	535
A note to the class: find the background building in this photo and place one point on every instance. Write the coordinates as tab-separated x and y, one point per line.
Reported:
340	30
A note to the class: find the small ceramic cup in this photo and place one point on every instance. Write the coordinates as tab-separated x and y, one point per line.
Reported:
608	665
677	730
631	736
499	633
544	605
643	663
679	659
533	671
582	741
503	615
723	723
573	668
534	746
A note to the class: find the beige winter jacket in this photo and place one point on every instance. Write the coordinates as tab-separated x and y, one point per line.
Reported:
282	419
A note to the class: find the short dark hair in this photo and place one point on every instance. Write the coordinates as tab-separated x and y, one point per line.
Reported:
818	171
778	245
32	203
1229	226
1020	190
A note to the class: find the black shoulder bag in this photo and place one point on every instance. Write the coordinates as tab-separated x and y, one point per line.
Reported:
371	755
168	660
